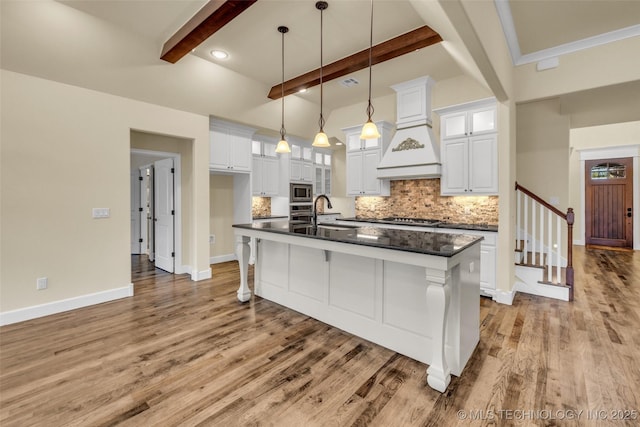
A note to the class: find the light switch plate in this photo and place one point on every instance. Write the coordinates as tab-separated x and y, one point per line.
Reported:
101	212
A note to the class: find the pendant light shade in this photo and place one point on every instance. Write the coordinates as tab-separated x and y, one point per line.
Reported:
370	130
321	139
283	146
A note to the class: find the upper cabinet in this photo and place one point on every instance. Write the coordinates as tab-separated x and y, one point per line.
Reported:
265	180
363	157
474	119
469	149
322	172
301	163
230	146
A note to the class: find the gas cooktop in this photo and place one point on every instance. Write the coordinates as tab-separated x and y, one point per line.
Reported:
404	220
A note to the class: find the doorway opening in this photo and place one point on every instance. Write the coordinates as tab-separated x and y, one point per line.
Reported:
155	215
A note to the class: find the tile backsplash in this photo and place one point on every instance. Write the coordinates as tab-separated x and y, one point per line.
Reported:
260	206
420	198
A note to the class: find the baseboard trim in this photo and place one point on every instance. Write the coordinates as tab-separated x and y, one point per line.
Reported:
548	291
504	297
222	258
201	275
36	311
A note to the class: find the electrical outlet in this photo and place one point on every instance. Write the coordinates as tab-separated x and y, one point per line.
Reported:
42	283
212	239
467	210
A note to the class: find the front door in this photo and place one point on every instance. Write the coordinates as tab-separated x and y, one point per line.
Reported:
164	214
609	202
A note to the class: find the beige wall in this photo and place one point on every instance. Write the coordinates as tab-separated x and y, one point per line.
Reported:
66	150
221	214
614	135
542	135
184	147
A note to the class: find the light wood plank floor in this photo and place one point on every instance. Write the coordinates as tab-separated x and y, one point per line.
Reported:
187	353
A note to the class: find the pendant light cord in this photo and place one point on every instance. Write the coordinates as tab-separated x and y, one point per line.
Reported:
370	106
282	130
321	120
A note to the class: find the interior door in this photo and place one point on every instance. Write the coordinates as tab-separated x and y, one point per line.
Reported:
164	214
609	202
135	213
151	206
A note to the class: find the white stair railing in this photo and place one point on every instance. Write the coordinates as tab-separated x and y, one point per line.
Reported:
531	224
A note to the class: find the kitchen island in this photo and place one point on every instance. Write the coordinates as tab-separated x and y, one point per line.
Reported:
414	292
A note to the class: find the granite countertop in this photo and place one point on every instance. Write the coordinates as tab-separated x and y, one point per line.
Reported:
443	224
440	244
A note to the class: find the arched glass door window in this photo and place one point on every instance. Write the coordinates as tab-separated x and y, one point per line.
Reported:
608	171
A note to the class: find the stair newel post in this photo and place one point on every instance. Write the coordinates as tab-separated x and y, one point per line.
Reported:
570	219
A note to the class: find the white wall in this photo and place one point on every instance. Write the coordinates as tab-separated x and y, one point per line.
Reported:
66	150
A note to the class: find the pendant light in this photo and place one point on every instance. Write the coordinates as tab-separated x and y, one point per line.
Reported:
370	130
321	139
283	146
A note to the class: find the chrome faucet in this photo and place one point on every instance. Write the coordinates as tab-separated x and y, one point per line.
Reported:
315	208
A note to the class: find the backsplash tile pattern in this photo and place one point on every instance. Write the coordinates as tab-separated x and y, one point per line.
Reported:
260	206
420	198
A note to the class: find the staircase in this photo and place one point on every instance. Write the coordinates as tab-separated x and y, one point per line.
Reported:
542	267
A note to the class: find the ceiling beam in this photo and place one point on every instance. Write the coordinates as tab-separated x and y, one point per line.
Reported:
397	46
213	16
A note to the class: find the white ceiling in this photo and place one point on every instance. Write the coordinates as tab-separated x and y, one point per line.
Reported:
254	43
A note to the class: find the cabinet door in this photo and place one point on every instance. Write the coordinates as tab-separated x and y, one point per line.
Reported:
453	125
240	153
327	180
483	164
269	149
370	181
307	171
218	150
296	152
318	182
488	267
270	173
370	143
296	170
354	174
307	154
256	176
353	142
482	120
455	167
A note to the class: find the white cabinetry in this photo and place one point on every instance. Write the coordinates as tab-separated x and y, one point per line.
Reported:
363	157
229	147
469	141
301	163
265	172
322	173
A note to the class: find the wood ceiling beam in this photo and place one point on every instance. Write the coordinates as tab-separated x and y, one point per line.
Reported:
397	46
213	16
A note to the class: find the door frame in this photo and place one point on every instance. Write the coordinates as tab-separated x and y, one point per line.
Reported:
177	201
612	153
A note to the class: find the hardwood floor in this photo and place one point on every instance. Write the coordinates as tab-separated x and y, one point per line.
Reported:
187	353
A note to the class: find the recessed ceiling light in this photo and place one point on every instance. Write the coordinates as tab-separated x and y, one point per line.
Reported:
303	90
219	54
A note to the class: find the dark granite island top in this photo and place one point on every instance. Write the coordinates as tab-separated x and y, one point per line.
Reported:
440	244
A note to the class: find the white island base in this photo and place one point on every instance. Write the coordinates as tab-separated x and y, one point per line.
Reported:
423	306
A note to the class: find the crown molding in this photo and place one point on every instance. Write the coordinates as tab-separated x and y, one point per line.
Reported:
508	27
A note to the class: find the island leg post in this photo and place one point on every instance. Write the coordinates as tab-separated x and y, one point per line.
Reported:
242	252
438	296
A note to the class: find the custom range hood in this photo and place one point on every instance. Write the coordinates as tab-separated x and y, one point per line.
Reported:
413	151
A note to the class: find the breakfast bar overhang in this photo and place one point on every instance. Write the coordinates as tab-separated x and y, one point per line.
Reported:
414	292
